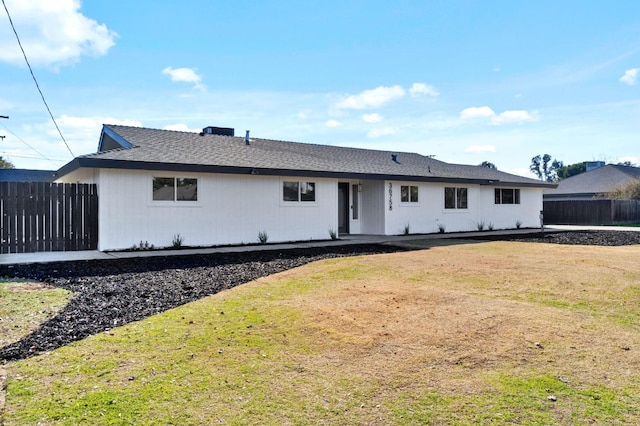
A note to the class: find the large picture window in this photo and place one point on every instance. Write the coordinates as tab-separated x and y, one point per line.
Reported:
175	189
455	198
298	191
408	194
507	196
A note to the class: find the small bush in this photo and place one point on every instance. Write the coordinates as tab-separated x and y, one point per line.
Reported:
333	234
490	226
441	228
406	230
263	237
177	241
143	245
480	225
518	224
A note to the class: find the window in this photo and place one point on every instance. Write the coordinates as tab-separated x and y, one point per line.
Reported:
455	198
175	189
408	194
507	196
298	191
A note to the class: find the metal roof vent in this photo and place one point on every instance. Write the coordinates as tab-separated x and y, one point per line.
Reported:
222	131
246	139
394	158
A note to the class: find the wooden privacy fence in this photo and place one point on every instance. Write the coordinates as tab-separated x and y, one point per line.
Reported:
44	216
592	212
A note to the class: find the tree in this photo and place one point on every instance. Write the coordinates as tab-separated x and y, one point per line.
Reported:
571	170
6	164
488	165
626	163
544	168
628	191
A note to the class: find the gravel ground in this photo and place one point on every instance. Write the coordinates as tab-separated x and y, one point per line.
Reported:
587	238
112	293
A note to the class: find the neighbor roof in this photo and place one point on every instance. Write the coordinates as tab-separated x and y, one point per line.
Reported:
26	175
597	181
152	149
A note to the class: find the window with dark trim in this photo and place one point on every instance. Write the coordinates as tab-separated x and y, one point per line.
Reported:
408	194
298	191
175	189
455	198
507	196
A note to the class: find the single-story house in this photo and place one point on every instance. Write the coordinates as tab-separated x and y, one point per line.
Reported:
592	183
213	188
26	175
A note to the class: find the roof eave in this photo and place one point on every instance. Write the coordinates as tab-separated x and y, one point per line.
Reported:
90	162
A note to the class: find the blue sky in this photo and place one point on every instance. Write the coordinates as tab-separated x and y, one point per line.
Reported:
466	81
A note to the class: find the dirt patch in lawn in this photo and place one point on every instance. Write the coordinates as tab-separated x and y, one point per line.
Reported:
448	315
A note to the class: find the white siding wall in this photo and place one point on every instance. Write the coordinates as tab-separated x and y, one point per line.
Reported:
231	209
505	216
428	213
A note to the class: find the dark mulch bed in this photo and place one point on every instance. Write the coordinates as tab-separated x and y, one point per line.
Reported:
115	292
587	238
110	293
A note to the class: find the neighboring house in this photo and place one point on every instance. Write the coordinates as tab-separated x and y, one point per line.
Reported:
213	188
592	183
26	175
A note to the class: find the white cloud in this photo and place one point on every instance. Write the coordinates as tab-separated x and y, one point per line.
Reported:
333	123
303	115
480	148
52	33
181	127
185	75
476	112
83	133
512	117
418	89
372	118
372	98
631	159
5	105
384	131
515	116
630	76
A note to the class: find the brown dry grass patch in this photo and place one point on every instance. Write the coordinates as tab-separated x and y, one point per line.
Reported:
447	316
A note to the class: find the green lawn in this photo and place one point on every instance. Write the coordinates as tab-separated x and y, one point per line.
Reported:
461	334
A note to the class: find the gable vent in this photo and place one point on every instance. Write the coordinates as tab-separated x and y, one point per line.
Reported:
223	131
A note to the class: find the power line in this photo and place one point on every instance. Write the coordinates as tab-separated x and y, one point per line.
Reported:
21	140
34	79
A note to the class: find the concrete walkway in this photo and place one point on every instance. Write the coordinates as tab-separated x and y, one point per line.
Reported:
66	256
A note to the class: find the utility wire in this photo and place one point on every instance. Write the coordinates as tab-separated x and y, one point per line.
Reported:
34	78
21	140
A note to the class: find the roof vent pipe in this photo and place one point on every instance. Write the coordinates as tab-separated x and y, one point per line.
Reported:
246	138
394	157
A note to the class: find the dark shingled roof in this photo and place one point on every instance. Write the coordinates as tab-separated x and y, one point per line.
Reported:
26	175
152	149
597	181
